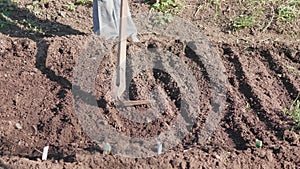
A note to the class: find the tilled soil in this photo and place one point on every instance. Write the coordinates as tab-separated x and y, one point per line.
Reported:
36	89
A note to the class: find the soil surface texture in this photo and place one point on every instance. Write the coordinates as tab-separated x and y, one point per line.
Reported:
39	55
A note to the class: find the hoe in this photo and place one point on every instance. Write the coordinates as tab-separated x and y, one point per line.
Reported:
106	24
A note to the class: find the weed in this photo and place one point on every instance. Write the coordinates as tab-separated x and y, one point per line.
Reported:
84	2
289	11
294	111
258	143
31	27
162	18
166	9
6	7
244	21
216	4
33	7
168	6
259	15
4	23
248	106
71	6
291	68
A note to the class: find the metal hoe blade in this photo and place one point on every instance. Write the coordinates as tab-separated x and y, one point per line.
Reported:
121	70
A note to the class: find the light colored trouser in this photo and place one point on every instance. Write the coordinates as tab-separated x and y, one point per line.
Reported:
106	19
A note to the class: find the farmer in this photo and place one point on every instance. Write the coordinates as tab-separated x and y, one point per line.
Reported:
106	19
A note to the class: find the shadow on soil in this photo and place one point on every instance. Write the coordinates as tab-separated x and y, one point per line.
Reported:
60	153
234	133
21	23
16	25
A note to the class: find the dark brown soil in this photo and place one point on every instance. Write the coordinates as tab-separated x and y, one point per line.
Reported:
36	77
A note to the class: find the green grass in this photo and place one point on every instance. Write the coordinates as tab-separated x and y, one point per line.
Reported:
289	11
294	111
244	21
252	14
257	15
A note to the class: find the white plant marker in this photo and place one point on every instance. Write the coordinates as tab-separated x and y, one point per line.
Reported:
18	126
159	147
106	149
45	153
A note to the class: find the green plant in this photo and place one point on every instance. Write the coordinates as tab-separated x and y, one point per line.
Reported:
168	6
244	21
248	106
291	68
6	7
216	4
289	11
259	15
162	18
3	23
166	9
258	143
294	111
84	2
33	7
253	15
31	27
71	6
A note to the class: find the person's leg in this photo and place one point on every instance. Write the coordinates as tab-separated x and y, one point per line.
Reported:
106	19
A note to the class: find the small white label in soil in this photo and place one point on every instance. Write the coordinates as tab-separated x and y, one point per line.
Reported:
45	153
18	126
159	147
106	149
